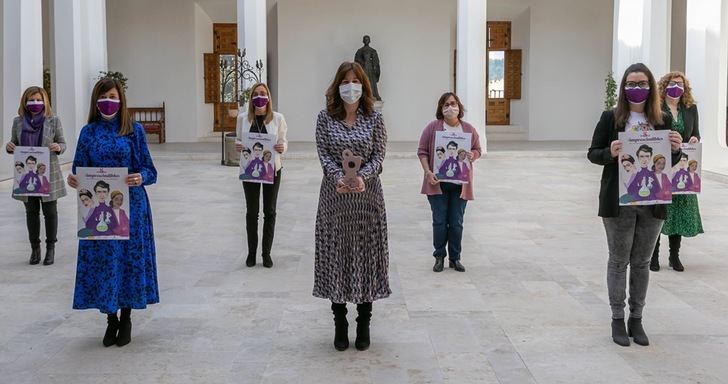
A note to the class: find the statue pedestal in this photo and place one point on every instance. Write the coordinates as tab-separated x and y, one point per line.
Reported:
378	106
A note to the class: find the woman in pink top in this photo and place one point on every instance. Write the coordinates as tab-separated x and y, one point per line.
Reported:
447	200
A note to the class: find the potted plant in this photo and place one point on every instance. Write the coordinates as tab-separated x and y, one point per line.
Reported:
610	97
114	75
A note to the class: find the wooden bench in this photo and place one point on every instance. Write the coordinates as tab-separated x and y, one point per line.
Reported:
152	119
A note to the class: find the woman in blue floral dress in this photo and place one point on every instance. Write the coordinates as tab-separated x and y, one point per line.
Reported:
114	275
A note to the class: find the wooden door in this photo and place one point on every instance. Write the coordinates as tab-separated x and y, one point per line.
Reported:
225	37
229	122
225	46
498	112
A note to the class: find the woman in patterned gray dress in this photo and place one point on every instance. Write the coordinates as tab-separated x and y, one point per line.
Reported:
352	255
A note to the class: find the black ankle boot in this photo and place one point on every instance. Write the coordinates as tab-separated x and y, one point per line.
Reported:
250	260
619	332
112	328
34	254
362	326
267	261
439	264
455	264
655	261
124	336
675	253
637	332
341	335
50	255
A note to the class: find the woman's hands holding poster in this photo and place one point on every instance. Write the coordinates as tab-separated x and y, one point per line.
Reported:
694	140
134	179
431	178
72	181
239	146
615	148
279	148
675	141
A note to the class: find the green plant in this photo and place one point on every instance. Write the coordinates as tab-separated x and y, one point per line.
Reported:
610	98
114	75
47	82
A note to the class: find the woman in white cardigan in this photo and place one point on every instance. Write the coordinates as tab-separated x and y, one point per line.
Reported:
260	118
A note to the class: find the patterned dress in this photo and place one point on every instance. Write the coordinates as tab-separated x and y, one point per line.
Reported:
352	253
114	274
683	215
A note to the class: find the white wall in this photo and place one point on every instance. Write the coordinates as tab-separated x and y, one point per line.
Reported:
414	42
571	54
5	170
158	48
677	36
203	44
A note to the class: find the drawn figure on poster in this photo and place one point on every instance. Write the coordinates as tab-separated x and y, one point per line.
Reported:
245	160
19	171
439	157
463	165
644	186
256	167
87	202
449	168
30	182
694	178
629	168
681	179
45	185
102	220
665	188
117	204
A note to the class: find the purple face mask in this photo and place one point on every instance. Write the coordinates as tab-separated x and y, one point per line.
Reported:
35	107
675	91
637	95
260	101
108	107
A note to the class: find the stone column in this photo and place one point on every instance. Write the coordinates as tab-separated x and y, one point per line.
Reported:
252	32
471	62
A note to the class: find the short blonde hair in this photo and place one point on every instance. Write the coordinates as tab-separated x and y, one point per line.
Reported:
30	91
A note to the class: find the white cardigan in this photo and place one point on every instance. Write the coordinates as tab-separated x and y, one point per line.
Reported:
277	125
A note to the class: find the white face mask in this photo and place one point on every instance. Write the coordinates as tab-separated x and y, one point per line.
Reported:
451	111
350	93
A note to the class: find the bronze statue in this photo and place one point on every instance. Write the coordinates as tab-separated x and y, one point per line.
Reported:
367	57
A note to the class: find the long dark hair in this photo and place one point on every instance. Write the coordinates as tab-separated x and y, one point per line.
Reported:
334	103
652	105
104	85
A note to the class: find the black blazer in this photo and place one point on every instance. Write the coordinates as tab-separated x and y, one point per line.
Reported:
690	117
605	132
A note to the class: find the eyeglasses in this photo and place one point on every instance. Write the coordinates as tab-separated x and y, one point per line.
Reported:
674	83
450	104
637	84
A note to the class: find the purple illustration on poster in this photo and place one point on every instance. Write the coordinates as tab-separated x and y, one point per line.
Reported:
451	164
645	175
686	174
258	158
31	171
103	204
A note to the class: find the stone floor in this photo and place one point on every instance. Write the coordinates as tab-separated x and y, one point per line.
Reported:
531	308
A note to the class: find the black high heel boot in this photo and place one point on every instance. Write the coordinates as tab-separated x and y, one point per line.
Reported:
675	253
619	332
124	336
34	254
637	332
362	326
341	335
655	261
50	255
112	328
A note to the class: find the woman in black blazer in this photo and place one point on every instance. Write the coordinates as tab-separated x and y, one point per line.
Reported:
683	215
631	230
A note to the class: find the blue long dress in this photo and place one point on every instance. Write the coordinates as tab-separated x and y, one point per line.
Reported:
114	274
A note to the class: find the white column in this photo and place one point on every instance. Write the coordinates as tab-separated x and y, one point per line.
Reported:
706	67
80	53
252	15
22	55
471	62
641	34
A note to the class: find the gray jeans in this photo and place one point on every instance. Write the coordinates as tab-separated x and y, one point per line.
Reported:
631	238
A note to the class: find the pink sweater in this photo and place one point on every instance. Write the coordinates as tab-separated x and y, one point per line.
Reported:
426	150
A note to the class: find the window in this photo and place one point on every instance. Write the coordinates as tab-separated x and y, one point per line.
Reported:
504	73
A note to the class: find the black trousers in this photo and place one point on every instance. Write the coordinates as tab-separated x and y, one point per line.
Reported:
252	209
32	220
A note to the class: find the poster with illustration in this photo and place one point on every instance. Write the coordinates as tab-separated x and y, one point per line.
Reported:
645	175
686	173
103	204
451	164
258	159
31	173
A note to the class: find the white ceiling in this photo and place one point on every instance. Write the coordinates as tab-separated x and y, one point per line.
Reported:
220	11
